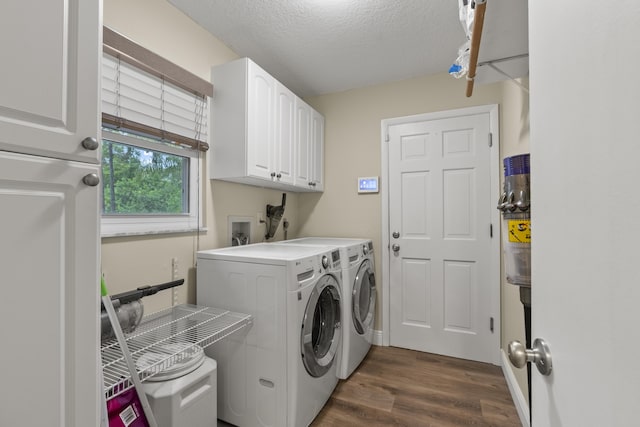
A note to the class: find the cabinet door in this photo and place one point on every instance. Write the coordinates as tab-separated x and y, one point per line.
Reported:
317	151
49	77
49	252
285	133
260	122
303	144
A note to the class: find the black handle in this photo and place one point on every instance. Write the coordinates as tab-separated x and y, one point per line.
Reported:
143	291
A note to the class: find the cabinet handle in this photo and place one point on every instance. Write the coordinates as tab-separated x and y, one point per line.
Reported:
91	179
273	174
90	143
279	176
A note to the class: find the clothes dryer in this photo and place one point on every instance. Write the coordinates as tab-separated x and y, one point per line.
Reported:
283	369
358	296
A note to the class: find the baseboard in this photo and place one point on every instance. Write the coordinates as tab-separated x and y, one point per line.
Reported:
522	406
376	339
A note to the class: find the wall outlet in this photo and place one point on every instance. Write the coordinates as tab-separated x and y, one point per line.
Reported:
174	268
174	276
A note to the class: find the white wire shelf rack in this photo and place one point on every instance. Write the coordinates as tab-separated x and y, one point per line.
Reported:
178	332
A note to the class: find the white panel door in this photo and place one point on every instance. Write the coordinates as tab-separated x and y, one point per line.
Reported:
584	251
442	298
50	69
49	308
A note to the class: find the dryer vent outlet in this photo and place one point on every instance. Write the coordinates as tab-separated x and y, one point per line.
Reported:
274	215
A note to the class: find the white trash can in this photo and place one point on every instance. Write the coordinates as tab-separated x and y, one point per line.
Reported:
184	394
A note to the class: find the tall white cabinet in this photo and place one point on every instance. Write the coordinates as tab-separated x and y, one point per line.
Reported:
258	136
49	220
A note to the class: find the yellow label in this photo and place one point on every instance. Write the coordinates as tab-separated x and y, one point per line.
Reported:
520	230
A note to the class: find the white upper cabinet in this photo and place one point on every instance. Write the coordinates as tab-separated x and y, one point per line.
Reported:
255	129
303	144
284	134
260	122
316	157
309	147
50	57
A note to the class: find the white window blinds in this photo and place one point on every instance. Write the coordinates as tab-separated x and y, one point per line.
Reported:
141	102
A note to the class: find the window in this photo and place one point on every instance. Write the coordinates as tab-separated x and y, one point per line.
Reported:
154	118
148	186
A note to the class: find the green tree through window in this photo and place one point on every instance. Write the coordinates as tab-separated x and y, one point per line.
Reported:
137	181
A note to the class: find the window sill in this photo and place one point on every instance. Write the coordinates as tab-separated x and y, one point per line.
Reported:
133	233
151	225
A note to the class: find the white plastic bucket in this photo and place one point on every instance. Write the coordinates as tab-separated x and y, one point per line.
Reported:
185	394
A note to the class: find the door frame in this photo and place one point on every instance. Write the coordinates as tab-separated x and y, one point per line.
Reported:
494	126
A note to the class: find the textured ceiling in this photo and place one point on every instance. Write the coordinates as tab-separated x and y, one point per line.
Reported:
324	46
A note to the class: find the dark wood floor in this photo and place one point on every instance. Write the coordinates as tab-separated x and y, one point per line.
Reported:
397	387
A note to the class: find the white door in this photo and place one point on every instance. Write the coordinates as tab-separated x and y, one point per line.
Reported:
443	296
586	210
49	223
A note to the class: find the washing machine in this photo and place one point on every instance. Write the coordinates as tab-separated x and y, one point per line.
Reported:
282	370
358	297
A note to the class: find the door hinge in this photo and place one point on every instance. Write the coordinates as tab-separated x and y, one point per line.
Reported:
491	230
490	139
386	138
491	324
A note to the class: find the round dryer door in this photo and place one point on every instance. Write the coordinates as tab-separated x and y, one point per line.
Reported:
321	327
363	301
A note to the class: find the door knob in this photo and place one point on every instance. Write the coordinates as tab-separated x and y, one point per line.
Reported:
91	179
395	234
539	354
395	248
90	143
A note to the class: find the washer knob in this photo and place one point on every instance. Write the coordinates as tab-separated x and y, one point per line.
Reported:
325	261
365	249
